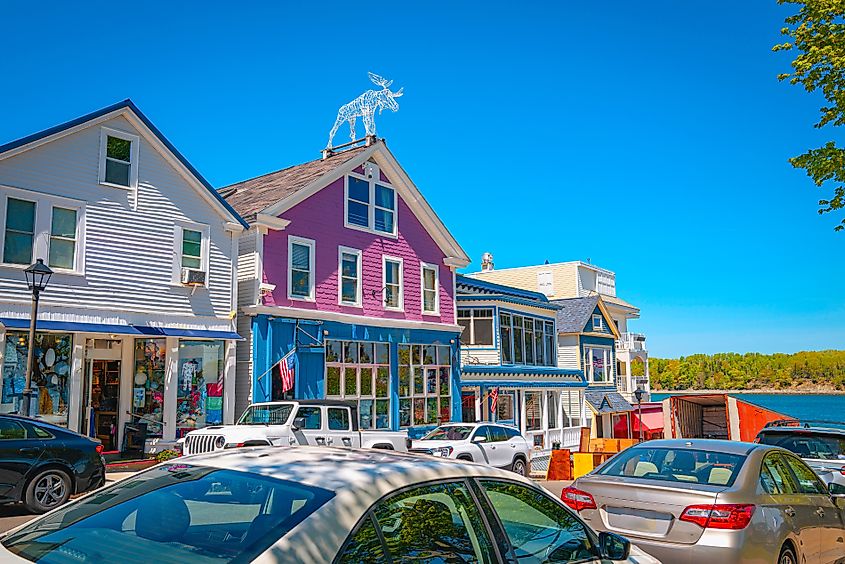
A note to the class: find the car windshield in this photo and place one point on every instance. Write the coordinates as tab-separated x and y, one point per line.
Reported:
675	465
173	513
808	444
449	433
266	414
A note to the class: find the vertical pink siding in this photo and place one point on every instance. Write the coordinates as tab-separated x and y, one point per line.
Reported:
320	218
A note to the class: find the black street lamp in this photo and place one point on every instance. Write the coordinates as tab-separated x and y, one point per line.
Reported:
37	277
639	393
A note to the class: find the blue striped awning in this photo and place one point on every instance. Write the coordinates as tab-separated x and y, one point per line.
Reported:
139	330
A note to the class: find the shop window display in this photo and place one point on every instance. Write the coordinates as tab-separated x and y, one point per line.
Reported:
148	386
424	385
50	375
199	397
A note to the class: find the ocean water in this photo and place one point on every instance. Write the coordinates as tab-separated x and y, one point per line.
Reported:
827	407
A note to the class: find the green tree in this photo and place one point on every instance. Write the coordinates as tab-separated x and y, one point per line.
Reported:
817	34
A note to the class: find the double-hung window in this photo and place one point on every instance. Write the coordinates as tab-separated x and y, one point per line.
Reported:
478	326
300	268
191	249
20	231
40	226
598	323
349	276
598	365
393	298
118	158
370	204
63	238
430	283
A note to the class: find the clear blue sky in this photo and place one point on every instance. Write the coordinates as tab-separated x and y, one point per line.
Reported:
651	137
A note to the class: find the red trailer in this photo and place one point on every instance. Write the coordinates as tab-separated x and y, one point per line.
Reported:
715	416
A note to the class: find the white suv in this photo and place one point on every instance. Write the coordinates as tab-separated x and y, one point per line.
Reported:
489	443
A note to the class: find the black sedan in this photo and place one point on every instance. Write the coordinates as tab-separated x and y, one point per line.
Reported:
43	465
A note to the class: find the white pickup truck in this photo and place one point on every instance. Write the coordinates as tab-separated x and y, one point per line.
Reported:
295	422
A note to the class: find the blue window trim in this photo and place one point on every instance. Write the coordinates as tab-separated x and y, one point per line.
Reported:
552	320
496	335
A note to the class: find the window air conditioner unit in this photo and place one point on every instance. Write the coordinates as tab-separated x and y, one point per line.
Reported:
191	277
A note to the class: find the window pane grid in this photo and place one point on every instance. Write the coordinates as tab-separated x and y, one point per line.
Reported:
192	249
20	230
424	385
392	283
370	205
349	278
525	340
300	270
360	371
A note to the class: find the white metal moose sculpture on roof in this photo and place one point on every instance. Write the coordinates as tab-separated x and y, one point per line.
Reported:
365	106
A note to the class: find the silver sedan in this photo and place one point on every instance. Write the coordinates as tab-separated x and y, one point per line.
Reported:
698	500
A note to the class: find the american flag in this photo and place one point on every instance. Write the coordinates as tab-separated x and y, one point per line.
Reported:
494	399
286	370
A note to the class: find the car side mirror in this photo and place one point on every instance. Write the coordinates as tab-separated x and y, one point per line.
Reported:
479	439
839	501
298	423
613	546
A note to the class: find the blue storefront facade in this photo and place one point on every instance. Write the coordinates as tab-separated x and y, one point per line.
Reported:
399	377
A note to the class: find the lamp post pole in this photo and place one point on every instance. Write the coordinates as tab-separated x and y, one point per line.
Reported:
639	395
37	277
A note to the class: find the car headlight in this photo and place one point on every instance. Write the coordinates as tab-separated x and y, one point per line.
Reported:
443	451
220	442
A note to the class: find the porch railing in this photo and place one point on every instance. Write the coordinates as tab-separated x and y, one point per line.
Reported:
631	342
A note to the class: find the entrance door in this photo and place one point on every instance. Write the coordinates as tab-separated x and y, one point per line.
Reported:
468	400
103	379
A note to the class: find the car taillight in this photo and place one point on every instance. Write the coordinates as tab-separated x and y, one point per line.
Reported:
99	449
732	516
577	499
842	470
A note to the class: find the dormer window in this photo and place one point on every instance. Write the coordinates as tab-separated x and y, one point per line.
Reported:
598	323
118	158
370	204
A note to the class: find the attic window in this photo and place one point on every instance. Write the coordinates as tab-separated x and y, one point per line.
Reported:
598	323
118	158
370	204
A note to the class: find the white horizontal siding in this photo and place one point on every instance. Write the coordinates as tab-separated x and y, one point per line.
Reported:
243	368
568	355
247	269
129	253
475	356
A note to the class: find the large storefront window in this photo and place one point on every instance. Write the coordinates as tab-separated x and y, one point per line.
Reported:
148	384
527	340
360	372
425	385
50	375
199	398
597	364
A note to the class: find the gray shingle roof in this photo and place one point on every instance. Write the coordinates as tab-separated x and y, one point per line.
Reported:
253	196
607	402
574	313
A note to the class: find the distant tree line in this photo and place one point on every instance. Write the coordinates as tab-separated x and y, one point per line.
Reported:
819	370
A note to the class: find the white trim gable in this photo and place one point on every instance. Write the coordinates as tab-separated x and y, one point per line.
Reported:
142	130
405	189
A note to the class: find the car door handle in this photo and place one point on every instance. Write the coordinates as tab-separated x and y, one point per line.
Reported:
28	450
820	512
789	511
329	441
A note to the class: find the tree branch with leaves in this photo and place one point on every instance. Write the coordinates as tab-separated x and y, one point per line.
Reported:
817	34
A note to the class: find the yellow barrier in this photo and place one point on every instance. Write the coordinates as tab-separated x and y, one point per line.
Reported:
582	463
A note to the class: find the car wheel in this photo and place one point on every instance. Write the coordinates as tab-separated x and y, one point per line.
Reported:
787	556
518	467
47	490
464	457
